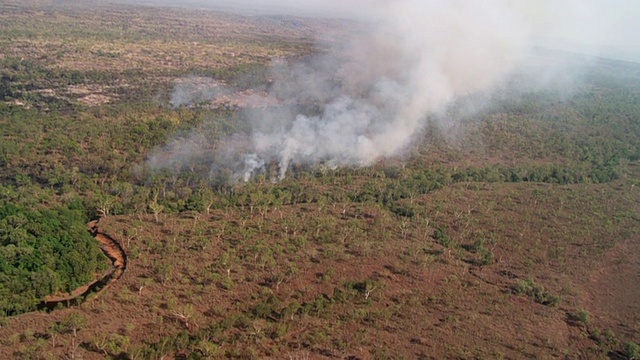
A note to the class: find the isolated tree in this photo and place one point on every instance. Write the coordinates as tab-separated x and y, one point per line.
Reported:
73	323
104	203
208	198
156	208
55	330
185	314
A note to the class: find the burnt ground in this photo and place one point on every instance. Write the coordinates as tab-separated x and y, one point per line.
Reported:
481	270
375	286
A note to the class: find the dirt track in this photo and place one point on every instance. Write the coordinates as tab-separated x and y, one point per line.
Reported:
113	251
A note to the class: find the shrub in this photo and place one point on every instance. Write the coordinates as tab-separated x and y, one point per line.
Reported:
632	351
537	292
442	238
583	316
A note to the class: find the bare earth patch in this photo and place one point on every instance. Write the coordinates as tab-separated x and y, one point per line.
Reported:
614	289
95	100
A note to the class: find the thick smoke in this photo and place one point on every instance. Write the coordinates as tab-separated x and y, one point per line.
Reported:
367	97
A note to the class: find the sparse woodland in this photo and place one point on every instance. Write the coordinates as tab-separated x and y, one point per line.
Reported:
505	222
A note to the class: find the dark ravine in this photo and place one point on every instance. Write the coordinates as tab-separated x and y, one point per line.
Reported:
114	251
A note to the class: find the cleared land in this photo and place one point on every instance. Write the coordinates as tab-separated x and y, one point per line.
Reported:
515	234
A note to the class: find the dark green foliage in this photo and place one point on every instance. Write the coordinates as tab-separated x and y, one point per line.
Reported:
486	255
537	292
43	251
268	309
442	238
571	173
404	210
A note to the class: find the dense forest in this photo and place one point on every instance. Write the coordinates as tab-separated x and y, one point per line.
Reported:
44	251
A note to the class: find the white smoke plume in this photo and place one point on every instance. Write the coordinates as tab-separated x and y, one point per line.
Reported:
420	56
195	89
367	97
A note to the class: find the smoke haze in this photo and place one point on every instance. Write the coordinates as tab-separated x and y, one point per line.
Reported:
367	97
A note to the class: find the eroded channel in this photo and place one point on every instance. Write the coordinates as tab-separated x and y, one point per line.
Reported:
114	251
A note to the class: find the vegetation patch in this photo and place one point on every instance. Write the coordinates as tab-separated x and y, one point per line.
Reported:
439	253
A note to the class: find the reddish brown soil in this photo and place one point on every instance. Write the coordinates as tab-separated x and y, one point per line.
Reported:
614	289
189	272
425	305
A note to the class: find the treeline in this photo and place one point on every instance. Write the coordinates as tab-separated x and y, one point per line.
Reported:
563	174
97	155
386	186
62	166
43	251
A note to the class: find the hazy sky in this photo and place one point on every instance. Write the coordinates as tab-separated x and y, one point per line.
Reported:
589	22
594	22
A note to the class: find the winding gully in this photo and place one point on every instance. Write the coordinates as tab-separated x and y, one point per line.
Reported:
113	251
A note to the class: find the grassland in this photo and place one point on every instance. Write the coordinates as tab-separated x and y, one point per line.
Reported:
513	234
